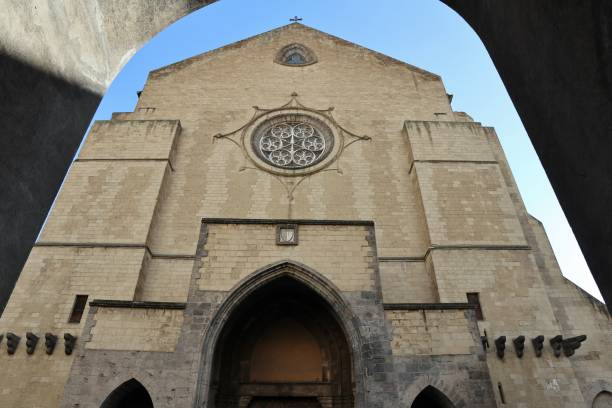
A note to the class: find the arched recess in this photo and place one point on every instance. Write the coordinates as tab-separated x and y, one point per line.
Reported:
305	329
431	397
603	400
130	394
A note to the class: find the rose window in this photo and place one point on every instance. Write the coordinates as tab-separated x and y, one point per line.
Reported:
292	143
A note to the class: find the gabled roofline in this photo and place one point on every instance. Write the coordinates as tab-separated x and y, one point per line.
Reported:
239	43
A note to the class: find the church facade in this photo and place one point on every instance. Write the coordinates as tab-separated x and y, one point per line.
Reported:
296	221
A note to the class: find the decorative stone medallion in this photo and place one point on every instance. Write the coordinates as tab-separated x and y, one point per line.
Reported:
292	141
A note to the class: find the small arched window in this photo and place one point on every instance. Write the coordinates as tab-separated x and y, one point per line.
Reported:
295	58
431	397
603	400
295	55
129	394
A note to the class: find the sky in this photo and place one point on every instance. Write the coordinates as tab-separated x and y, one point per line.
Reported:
424	33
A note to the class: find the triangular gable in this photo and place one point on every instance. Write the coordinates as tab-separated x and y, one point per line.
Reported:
238	44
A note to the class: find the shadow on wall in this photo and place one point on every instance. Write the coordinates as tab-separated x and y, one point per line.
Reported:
42	121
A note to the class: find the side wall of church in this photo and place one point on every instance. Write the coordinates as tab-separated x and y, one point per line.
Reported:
439	348
578	313
574	311
480	241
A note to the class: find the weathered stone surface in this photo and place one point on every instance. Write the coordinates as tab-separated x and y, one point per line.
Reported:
51	81
561	85
54	76
392	235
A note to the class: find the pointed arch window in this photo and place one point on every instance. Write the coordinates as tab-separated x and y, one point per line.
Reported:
129	394
603	400
295	59
282	334
431	397
295	55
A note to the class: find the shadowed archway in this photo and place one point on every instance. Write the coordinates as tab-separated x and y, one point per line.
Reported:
282	347
286	338
431	397
603	400
130	394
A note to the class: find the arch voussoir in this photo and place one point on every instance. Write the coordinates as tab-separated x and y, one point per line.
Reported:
313	281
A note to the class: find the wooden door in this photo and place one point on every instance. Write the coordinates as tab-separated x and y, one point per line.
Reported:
282	402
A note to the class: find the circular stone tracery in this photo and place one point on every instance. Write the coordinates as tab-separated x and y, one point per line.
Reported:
292	143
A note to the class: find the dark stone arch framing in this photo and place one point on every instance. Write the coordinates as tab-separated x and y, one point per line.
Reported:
596	389
602	400
281	301
129	394
183	378
360	315
314	281
431	397
464	380
285	55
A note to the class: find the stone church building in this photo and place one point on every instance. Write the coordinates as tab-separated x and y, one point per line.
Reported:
296	221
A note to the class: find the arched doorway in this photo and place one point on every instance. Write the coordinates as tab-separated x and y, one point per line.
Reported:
603	400
431	397
130	394
282	347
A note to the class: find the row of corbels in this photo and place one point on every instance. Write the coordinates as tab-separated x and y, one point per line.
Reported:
558	344
12	342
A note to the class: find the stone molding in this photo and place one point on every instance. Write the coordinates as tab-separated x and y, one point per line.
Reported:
308	55
132	304
285	221
428	306
348	321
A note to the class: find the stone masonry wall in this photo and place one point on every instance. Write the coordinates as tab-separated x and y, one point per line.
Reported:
578	313
172	378
447	215
105	202
467	203
430	332
407	282
439	348
340	253
166	280
135	329
450	141
41	303
370	180
131	140
590	362
479	244
94	244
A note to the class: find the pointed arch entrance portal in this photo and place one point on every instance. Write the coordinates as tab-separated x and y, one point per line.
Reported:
129	394
282	347
431	397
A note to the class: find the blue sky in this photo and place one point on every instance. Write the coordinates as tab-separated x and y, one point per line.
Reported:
424	33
